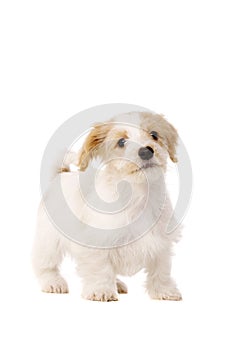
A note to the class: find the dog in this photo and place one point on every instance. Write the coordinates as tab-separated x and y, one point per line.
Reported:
131	149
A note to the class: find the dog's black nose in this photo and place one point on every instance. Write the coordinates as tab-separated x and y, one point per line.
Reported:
145	153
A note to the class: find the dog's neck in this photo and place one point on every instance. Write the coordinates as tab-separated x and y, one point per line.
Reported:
131	193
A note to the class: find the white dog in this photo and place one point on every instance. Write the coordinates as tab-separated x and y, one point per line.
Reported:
133	147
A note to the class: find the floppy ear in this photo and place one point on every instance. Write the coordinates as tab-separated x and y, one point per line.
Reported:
171	138
92	144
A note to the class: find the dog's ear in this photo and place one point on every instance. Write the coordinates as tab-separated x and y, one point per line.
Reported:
171	138
92	144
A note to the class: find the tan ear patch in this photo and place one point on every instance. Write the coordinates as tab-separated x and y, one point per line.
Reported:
92	144
172	138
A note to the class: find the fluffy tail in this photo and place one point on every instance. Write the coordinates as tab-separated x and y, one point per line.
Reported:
71	158
60	163
53	164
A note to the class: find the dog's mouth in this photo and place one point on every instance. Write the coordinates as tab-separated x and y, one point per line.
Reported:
145	166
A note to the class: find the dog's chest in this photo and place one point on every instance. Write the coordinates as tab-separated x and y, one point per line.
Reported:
133	257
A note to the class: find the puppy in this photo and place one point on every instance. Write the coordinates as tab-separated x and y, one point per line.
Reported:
132	150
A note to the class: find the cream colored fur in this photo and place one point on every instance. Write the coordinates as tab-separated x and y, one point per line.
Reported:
97	267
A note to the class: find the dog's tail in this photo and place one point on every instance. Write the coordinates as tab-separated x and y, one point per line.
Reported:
71	158
60	163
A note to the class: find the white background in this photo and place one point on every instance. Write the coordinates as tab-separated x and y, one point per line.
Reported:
175	57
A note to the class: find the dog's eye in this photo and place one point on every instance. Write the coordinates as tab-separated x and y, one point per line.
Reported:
121	142
155	135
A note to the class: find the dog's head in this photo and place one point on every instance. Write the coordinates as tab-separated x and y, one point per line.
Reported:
131	144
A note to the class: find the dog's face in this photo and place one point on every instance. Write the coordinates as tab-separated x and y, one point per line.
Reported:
131	145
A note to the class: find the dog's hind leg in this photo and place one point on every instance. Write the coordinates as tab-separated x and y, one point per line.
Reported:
47	256
121	287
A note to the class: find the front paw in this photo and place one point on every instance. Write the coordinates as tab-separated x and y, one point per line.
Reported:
54	284
166	294
102	295
121	287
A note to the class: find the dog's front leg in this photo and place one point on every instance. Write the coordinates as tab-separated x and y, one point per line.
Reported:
99	278
160	284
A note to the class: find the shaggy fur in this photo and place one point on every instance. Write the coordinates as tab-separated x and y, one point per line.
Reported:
99	268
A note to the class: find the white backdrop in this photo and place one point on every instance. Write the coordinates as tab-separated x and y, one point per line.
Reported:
175	57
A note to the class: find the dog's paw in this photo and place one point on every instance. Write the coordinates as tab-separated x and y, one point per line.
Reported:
166	294
121	287
101	296
55	284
